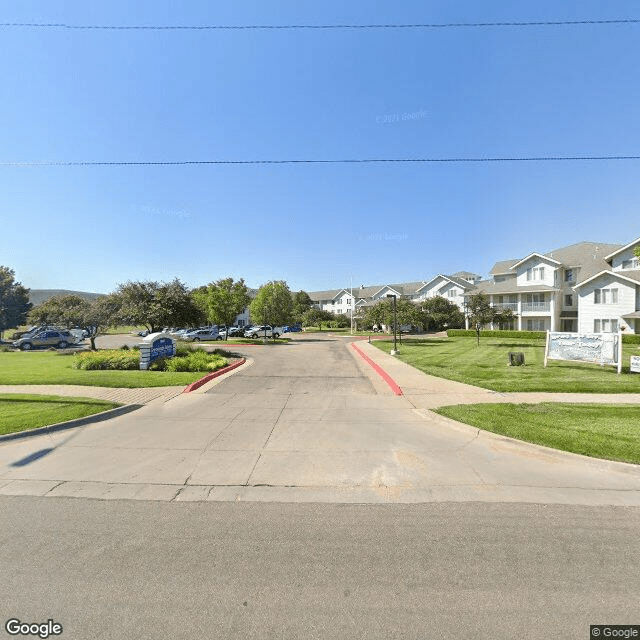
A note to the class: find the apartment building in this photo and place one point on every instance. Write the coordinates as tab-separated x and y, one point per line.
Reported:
588	287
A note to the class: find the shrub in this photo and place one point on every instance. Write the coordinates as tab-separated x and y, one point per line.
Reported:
195	361
630	338
470	333
107	359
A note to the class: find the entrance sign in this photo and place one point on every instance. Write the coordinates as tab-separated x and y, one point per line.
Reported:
154	346
600	348
635	364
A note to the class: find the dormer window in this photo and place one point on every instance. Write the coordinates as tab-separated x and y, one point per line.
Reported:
535	273
569	275
634	263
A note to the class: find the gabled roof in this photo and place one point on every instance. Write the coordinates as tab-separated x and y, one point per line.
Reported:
387	286
325	295
453	279
502	267
621	249
507	286
632	276
532	255
406	288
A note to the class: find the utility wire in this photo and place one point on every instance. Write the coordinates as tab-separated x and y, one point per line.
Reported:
206	27
329	161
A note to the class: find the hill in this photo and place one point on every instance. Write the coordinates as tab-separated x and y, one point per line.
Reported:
38	296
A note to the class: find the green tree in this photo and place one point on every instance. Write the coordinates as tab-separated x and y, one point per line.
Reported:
272	305
158	304
222	300
637	251
480	313
382	312
302	302
74	311
438	313
14	301
314	317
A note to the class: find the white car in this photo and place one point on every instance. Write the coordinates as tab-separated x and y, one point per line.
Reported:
263	331
202	334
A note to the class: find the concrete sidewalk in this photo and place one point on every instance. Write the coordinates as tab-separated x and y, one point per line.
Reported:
114	394
429	392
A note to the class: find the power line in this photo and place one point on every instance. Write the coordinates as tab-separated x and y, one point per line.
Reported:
207	27
453	160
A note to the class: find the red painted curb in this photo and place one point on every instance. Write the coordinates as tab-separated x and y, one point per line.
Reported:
210	376
379	370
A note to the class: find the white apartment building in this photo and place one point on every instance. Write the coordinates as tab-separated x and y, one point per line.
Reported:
588	287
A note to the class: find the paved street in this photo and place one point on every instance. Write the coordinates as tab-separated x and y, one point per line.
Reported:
308	421
236	571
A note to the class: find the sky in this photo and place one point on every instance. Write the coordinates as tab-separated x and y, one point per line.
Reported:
172	95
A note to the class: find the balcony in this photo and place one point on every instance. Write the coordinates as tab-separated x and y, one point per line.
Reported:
502	306
536	307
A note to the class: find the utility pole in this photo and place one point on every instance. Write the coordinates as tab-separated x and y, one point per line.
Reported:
395	322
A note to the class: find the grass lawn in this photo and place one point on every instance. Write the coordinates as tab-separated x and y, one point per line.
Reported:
20	412
485	366
599	431
48	367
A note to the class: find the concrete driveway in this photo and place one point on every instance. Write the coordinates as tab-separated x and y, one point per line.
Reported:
305	421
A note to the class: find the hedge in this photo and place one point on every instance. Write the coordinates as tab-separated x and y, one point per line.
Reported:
627	338
470	333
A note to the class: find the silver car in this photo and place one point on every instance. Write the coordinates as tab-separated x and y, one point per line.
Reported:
51	338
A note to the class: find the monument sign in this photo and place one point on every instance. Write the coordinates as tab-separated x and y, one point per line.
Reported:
154	346
600	348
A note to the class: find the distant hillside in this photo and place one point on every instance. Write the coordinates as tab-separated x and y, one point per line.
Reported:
38	296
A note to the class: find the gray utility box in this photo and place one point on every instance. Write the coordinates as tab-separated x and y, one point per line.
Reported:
516	358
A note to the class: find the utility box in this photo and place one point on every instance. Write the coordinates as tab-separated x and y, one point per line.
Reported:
516	359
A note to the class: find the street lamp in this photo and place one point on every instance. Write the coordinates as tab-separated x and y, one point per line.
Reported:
395	322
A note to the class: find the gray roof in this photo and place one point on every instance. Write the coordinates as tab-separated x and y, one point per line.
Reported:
405	288
465	275
589	256
504	266
508	286
324	295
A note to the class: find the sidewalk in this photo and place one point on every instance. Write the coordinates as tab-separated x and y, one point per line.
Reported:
429	392
114	394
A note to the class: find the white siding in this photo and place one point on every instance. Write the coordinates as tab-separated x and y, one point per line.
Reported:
535	264
588	310
627	254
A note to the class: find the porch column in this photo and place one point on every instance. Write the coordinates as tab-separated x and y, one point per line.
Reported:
519	312
552	308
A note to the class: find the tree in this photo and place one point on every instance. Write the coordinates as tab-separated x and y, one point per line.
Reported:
222	300
73	311
14	301
314	317
382	312
438	313
302	302
158	304
637	251
480	313
273	304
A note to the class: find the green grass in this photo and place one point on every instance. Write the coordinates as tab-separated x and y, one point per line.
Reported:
121	329
19	412
460	359
599	431
47	367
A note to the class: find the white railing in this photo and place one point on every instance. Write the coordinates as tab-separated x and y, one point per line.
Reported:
506	305
536	307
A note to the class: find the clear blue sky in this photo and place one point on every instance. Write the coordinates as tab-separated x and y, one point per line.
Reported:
206	95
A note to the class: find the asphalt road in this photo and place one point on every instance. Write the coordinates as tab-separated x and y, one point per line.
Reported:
149	570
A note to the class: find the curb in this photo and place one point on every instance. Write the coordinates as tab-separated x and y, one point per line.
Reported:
72	424
210	376
379	370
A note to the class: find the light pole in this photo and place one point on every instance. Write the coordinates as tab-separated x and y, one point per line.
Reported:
395	322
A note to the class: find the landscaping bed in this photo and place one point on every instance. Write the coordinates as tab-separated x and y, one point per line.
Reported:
22	412
599	431
49	367
460	359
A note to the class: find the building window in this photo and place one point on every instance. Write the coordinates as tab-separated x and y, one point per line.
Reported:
634	263
569	275
605	325
535	324
568	301
452	293
605	296
535	273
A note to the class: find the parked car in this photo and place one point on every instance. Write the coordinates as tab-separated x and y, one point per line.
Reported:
202	334
59	338
235	331
262	331
292	328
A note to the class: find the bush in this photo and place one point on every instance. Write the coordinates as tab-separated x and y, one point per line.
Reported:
630	338
470	333
195	361
107	359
